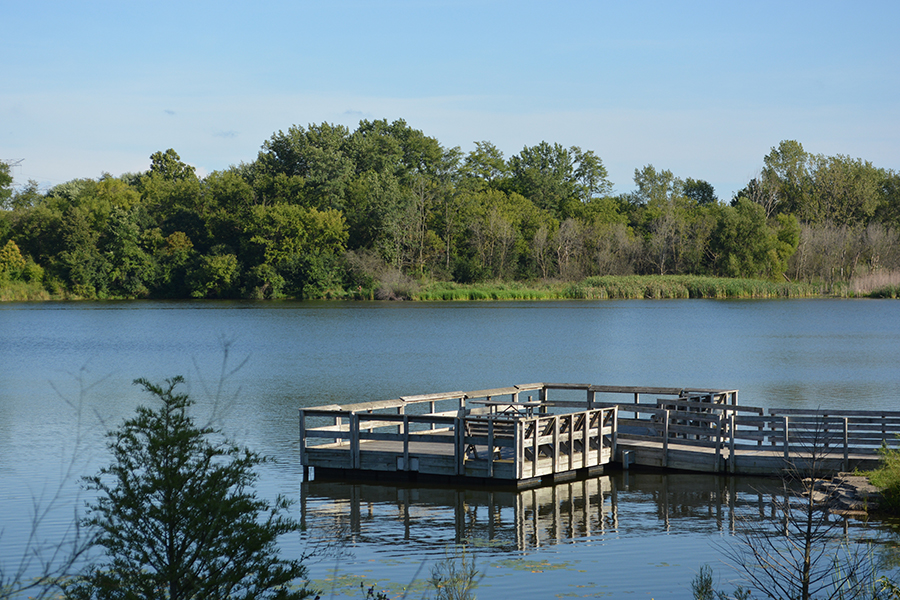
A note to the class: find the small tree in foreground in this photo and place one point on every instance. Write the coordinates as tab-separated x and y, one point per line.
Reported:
178	516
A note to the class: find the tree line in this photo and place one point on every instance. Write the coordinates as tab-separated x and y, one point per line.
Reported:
324	211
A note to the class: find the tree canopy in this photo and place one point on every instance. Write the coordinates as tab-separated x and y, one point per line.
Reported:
296	221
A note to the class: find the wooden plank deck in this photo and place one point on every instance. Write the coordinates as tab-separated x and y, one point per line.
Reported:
501	436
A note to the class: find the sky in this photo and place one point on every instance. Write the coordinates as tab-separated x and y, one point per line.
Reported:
704	89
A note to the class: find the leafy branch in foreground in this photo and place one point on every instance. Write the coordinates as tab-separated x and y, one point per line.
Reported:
178	516
803	552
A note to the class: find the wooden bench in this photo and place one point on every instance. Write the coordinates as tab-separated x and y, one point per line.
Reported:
479	427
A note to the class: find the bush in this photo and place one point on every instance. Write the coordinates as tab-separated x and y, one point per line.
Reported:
887	479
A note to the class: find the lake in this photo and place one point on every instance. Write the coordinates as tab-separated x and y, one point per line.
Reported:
66	371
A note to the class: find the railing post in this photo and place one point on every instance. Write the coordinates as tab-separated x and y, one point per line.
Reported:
847	443
731	444
555	466
534	449
303	459
354	441
405	443
615	432
665	456
520	449
459	447
785	420
586	441
490	448
719	442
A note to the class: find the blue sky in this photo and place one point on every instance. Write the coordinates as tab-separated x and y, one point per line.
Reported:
702	88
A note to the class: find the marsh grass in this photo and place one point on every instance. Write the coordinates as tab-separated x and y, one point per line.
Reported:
22	291
618	288
881	284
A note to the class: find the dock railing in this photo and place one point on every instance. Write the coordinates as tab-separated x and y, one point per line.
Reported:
489	434
506	434
752	441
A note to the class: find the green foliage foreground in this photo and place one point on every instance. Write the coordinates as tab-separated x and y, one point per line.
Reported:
887	479
178	517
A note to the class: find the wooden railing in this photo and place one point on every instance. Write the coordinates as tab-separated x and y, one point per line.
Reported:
744	430
478	440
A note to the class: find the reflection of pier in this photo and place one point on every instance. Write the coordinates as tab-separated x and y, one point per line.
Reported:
636	502
499	437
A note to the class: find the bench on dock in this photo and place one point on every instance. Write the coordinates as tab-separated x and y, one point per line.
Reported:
491	432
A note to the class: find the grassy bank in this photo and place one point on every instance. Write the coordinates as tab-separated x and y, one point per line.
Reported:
593	288
618	288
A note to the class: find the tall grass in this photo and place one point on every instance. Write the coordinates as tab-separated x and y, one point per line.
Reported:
446	291
887	479
881	284
21	291
616	288
685	286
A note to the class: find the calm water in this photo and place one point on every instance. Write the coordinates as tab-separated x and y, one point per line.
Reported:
66	372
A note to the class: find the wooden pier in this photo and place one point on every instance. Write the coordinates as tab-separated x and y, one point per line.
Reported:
529	435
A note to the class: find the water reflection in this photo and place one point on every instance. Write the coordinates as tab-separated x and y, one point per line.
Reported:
617	504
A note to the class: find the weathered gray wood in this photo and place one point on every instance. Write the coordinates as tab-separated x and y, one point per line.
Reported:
690	433
507	391
432	397
665	456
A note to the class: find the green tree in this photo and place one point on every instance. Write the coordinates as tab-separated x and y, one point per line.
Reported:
178	517
745	245
545	174
786	172
6	180
11	261
307	165
485	163
844	191
700	191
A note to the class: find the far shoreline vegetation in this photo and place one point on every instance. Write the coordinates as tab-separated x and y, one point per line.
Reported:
613	287
386	212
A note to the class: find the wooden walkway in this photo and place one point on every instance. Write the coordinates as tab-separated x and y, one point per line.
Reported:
522	436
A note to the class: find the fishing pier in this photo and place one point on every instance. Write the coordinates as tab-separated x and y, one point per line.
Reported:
530	435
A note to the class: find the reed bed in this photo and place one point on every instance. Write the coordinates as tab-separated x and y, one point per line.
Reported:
618	288
685	286
881	284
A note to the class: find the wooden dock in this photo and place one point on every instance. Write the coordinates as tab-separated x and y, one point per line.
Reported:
533	434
